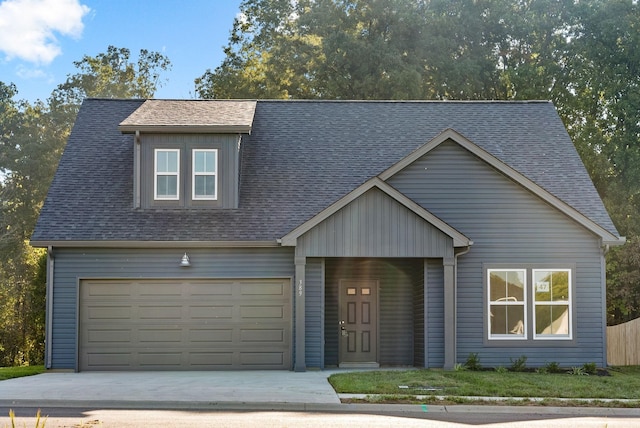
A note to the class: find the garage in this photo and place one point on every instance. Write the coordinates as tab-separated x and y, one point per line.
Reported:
234	324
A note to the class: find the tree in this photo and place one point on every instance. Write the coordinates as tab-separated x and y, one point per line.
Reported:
110	75
582	55
32	138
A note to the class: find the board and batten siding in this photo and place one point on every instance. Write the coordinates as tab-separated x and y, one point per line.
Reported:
375	225
227	174
74	264
509	225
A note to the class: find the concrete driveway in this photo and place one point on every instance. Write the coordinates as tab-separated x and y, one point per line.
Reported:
169	389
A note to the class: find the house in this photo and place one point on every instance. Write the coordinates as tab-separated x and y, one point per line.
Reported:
240	234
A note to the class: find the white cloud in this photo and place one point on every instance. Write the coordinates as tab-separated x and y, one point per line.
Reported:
28	28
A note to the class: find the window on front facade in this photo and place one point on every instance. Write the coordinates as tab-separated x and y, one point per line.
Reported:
518	312
204	178
166	174
507	303
552	307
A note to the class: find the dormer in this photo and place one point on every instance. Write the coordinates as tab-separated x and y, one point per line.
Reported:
187	153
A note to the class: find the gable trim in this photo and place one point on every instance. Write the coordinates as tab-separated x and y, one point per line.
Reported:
459	240
451	135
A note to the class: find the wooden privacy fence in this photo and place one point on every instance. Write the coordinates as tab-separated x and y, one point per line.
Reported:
623	344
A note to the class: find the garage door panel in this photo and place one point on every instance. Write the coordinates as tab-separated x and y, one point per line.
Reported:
266	312
261	289
197	325
262	335
159	289
218	289
211	335
97	313
211	312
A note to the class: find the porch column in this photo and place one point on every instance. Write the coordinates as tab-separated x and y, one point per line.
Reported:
449	313
299	286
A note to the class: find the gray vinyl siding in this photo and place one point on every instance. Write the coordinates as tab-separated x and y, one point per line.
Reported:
508	225
71	265
435	313
314	316
227	174
375	225
397	279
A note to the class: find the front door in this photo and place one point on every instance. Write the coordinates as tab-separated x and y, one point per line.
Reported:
358	323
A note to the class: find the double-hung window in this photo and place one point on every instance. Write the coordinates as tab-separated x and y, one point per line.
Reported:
507	303
205	174
517	311
552	303
166	185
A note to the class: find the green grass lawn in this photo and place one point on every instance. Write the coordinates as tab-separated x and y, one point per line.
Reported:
12	372
623	383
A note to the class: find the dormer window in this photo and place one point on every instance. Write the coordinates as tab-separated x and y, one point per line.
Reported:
205	174
166	174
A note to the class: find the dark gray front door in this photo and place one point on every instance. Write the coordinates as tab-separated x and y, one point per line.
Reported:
358	323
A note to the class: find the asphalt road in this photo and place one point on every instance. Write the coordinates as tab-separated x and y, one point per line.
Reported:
89	418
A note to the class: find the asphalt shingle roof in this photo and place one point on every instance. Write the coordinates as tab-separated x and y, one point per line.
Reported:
300	157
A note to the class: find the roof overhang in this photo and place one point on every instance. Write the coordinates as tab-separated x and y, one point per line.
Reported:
154	244
459	240
607	237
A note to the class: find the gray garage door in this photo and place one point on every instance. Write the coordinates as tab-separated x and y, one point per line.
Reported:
190	325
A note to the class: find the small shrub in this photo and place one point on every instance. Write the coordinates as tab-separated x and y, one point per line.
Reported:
473	362
553	367
459	367
590	368
578	371
501	369
519	364
542	370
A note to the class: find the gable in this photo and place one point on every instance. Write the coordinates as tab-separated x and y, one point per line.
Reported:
375	221
451	138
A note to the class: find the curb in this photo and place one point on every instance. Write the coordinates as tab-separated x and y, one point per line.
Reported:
320	407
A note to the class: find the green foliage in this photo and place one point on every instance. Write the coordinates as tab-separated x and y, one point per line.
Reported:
19	371
473	362
458	367
590	368
578	371
32	138
501	369
553	367
621	384
519	364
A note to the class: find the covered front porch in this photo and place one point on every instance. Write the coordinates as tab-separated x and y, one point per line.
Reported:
375	283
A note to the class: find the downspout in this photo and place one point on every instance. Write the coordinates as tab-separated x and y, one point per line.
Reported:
49	308
136	173
603	269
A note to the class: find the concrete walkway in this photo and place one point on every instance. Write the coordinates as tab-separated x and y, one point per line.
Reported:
169	389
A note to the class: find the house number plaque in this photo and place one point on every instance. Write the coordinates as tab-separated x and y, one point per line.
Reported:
300	288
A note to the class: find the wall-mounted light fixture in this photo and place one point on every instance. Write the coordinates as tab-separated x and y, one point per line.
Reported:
185	261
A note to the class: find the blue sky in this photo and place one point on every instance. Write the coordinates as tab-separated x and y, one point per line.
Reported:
40	39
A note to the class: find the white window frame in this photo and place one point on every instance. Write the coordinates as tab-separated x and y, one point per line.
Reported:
523	303
568	302
157	174
195	174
